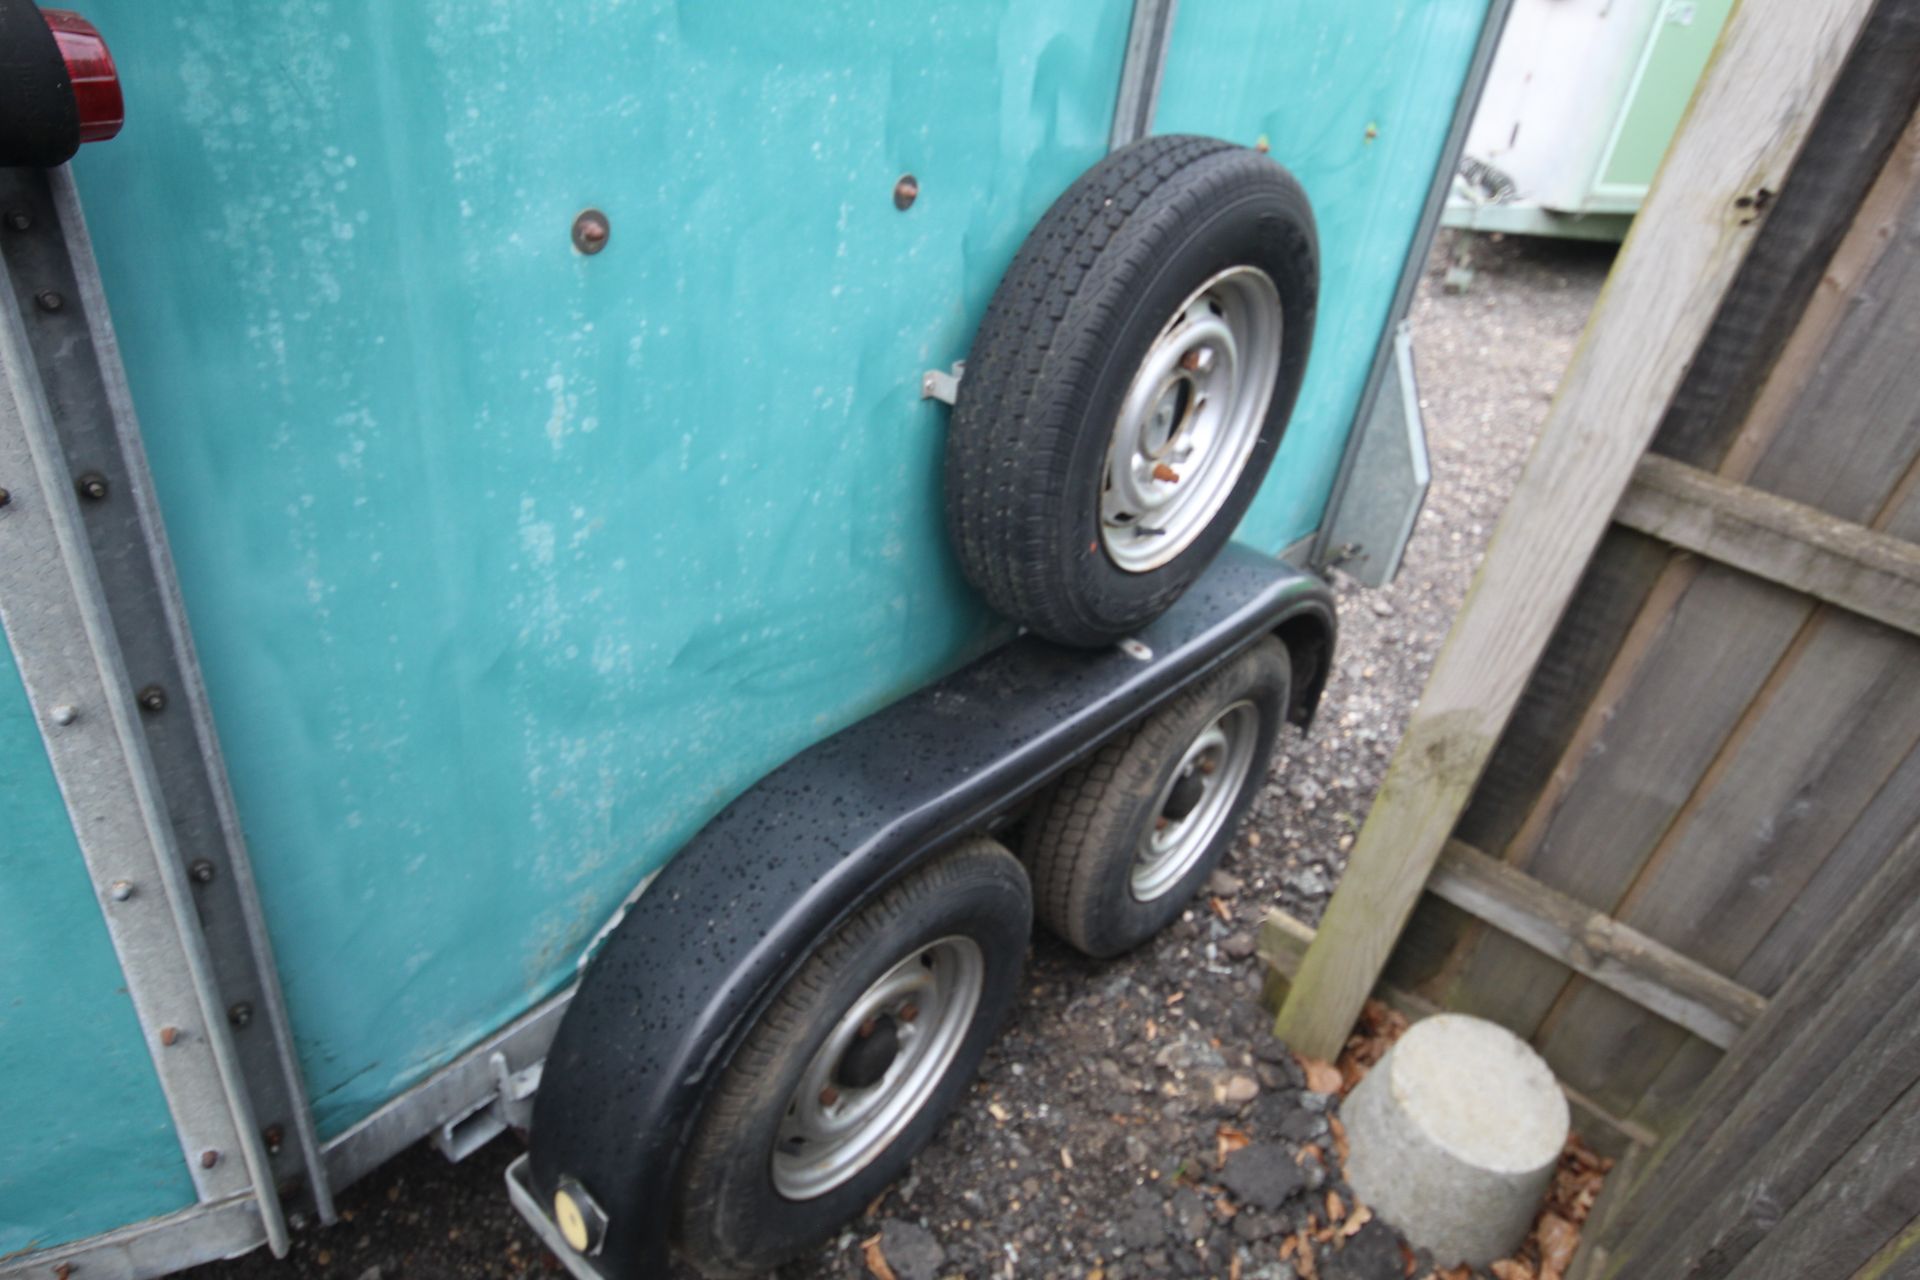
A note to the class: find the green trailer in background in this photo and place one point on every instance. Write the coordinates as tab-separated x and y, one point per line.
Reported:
475	483
1581	102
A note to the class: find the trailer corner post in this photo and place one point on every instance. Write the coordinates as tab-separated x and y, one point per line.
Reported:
1776	64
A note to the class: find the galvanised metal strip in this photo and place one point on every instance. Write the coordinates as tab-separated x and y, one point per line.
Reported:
64	638
150	618
1148	39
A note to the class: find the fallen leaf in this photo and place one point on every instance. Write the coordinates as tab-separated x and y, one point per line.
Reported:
1336	1207
1359	1218
998	1112
1066	1158
1221	909
1322	1076
1557	1238
1153	1028
878	1200
1233	1268
1176	997
1339	1132
876	1261
1289	1247
1511	1269
1311	1149
1304	1263
1227	1141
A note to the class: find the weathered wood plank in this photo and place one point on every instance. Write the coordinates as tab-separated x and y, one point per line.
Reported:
1620	958
1817	746
1867	965
1899	1257
1785	542
1777	60
1865	1200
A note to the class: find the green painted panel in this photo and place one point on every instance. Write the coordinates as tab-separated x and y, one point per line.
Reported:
1681	43
1356	99
88	1143
508	567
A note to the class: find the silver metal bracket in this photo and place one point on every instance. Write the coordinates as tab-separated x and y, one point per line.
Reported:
509	1106
520	1195
944	387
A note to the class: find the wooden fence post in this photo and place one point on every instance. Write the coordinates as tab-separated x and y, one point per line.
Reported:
1777	62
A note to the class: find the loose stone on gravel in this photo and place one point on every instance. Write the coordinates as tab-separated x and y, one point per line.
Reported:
911	1250
1264	1175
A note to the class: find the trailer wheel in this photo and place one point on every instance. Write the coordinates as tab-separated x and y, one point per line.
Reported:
1129	385
1125	840
856	1062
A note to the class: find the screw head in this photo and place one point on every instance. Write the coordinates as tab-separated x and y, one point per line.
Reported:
240	1014
275	1138
19	220
5	497
152	698
120	890
208	1159
92	486
49	300
201	871
909	1012
168	1035
591	231
829	1096
906	191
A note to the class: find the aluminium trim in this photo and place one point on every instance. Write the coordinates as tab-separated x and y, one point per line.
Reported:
156	1247
61	629
457	1089
1149	36
1416	263
70	665
198	791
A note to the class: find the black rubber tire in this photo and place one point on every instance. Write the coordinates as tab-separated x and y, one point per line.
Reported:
1086	296
1081	840
729	1220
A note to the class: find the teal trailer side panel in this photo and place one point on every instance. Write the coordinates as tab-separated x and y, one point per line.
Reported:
86	1142
509	566
1356	98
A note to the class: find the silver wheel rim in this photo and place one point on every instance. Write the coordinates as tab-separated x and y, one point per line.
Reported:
831	1131
1218	763
1191	419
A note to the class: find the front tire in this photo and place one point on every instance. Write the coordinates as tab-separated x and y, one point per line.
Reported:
850	1071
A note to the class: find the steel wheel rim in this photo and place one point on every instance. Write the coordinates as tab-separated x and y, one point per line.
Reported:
832	1131
1221	758
1191	419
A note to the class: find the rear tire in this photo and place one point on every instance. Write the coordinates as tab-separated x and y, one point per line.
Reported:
925	972
1110	866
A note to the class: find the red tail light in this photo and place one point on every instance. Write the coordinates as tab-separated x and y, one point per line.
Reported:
96	85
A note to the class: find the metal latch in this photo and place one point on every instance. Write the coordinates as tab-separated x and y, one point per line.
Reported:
509	1106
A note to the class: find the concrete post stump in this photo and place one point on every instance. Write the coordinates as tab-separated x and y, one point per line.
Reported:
1453	1137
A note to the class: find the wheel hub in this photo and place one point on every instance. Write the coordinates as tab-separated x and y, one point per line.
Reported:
877	1067
1191	419
1193	807
874	1048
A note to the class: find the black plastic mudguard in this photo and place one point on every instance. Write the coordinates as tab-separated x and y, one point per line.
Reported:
678	982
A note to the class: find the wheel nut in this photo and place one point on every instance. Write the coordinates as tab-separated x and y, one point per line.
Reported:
909	1012
1199	360
1165	474
867	1028
829	1096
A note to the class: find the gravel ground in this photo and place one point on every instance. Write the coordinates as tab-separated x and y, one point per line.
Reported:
1090	1145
